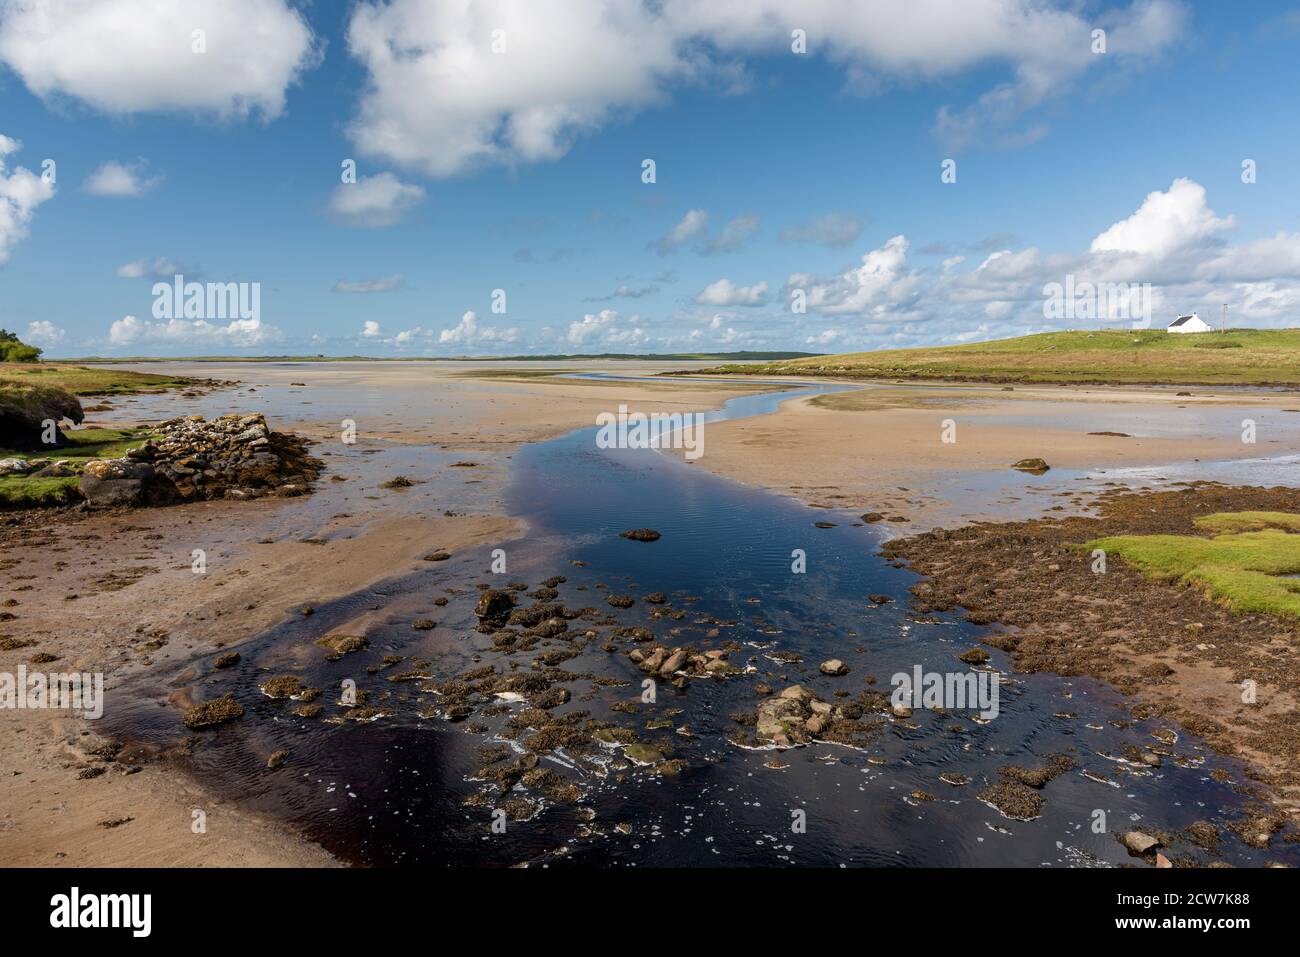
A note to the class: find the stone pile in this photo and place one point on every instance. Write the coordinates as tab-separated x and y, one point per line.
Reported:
190	459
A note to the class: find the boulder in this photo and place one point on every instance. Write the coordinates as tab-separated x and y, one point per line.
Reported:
641	535
109	482
674	663
1138	843
834	667
791	718
20	466
25	408
495	604
1033	466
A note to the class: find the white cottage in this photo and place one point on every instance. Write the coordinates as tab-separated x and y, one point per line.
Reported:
1192	323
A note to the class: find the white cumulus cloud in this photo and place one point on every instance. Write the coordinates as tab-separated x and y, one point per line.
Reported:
42	332
726	293
469	332
374	202
121	179
1166	222
133	56
452	85
21	191
187	332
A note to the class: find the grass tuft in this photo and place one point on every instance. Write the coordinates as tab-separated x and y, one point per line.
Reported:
1244	566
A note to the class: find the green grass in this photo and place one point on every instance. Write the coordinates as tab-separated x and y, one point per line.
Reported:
25	491
1248	521
1241	569
86	444
80	380
1235	357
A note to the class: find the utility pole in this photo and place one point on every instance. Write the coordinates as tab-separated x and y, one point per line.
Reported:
1223	323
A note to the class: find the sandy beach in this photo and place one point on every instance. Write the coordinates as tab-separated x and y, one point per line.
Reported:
116	592
883	449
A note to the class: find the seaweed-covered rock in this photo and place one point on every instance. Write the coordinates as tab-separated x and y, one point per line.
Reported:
340	645
641	535
495	605
1032	466
209	714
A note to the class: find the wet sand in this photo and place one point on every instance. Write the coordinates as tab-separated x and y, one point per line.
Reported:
883	450
138	604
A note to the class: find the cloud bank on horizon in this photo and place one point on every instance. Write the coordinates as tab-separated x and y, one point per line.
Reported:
821	174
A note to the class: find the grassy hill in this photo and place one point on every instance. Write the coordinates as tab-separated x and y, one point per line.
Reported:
1235	357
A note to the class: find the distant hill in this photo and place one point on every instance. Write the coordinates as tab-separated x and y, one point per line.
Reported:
557	357
1148	356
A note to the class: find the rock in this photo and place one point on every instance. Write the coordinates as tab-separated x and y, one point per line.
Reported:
1162	861
641	535
1014	800
654	661
228	660
494	604
18	466
190	459
208	714
879	599
900	710
834	667
642	754
283	686
25	408
1151	759
1138	843
872	517
437	556
1033	466
277	759
674	663
620	601
823	524
109	482
340	645
976	656
788	719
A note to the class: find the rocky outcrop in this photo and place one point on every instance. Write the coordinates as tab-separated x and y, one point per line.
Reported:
190	459
24	410
669	662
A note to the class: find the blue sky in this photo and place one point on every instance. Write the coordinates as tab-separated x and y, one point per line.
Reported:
521	170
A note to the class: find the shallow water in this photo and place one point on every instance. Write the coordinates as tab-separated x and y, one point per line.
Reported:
391	792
